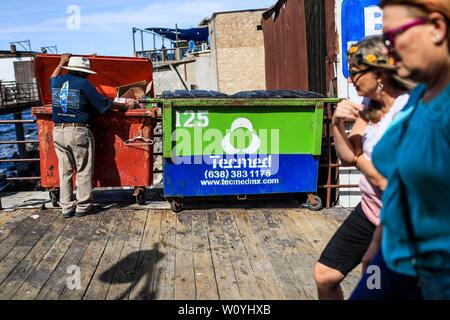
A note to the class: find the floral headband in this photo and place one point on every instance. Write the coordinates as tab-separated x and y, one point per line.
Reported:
371	59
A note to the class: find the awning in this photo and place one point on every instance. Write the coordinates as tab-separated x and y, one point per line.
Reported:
194	34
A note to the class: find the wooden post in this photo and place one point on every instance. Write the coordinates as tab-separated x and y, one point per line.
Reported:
134	42
177	51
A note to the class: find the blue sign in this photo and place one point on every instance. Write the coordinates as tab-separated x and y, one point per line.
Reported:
240	175
360	18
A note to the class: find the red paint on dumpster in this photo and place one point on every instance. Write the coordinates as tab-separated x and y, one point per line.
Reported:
112	72
116	163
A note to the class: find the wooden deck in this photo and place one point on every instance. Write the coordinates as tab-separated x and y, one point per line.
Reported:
155	254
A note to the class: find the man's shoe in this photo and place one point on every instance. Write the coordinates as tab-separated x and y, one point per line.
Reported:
69	214
94	210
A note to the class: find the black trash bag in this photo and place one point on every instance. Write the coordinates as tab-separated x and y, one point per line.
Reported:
193	94
264	94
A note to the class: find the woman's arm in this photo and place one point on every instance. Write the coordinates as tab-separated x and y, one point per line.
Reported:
373	247
349	147
367	168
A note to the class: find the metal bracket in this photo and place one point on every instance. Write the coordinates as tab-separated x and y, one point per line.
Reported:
140	137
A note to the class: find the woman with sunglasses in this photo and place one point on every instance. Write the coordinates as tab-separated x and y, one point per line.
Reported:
373	74
414	259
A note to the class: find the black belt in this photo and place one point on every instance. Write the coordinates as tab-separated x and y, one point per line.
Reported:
73	125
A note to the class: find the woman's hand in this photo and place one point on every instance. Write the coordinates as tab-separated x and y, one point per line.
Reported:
374	247
370	253
346	110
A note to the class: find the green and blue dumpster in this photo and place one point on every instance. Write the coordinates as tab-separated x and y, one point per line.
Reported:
241	145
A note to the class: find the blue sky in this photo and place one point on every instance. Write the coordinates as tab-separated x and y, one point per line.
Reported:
104	26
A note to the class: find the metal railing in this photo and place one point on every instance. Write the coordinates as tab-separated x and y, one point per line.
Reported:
13	93
21	142
330	160
167	55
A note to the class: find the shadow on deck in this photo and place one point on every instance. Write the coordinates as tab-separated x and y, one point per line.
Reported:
239	253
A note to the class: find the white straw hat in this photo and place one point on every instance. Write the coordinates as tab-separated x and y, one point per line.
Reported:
81	64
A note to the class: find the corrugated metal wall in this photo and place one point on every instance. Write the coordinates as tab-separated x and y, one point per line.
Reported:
285	46
299	38
300	49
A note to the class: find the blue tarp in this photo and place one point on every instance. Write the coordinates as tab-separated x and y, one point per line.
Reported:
194	34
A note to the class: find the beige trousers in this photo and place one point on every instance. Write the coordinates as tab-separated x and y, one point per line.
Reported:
75	147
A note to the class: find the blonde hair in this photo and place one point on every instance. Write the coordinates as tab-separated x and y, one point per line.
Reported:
424	6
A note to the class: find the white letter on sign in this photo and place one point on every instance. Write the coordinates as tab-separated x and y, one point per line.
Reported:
373	21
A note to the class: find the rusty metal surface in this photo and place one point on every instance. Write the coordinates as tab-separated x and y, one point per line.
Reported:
299	41
112	72
117	164
285	47
332	47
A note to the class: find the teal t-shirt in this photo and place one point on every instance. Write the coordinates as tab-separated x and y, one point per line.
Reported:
415	150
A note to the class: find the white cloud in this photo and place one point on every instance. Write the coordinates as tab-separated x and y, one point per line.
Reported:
163	13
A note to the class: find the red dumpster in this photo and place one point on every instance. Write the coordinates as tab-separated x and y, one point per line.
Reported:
123	139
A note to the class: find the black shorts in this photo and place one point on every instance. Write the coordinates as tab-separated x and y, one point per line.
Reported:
350	242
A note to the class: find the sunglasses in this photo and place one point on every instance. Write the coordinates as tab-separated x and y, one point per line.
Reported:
389	36
353	73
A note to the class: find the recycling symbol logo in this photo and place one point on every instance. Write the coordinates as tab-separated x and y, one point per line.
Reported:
255	141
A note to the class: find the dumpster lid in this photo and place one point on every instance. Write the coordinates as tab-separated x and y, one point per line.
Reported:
254	94
112	72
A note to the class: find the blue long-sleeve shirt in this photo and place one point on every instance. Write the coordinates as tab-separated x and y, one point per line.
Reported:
418	154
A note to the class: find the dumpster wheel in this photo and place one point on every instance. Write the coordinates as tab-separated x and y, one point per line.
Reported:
314	207
140	194
176	206
54	197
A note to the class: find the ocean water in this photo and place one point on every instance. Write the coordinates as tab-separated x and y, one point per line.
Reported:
8	151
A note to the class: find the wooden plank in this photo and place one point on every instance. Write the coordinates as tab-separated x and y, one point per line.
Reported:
55	285
165	280
145	275
225	277
91	257
264	272
303	260
101	280
27	266
318	235
25	244
327	221
9	221
24	228
300	219
248	285
205	283
123	277
5	217
33	284
277	246
184	259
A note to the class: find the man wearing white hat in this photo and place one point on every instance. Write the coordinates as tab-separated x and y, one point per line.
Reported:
75	101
